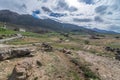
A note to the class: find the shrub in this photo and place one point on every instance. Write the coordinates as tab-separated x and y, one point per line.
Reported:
86	42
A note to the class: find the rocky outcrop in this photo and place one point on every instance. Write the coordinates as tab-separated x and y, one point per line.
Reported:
25	70
14	53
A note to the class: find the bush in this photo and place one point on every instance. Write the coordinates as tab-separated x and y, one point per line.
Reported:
86	42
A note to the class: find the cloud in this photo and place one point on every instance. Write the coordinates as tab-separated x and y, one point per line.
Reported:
91	13
57	14
87	1
98	19
82	20
101	9
45	9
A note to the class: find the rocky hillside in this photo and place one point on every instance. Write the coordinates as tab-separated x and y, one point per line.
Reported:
29	22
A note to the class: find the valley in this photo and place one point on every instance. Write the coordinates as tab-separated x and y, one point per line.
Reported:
59	56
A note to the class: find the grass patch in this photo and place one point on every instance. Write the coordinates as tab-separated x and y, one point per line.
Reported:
68	46
114	45
86	70
6	32
75	75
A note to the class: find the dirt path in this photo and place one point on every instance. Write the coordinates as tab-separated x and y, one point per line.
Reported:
107	68
10	39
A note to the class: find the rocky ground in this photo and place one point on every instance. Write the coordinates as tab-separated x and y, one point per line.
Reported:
59	58
107	68
42	66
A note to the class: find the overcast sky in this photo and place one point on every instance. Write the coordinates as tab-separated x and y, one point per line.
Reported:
101	14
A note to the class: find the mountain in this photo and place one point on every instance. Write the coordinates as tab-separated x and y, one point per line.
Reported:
103	31
31	23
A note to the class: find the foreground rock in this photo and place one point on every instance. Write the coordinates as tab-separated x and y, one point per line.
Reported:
25	70
14	53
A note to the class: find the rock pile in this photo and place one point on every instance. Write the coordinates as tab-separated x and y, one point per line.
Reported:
46	47
14	53
115	50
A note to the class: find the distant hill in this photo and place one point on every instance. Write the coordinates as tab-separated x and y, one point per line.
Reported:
34	24
104	31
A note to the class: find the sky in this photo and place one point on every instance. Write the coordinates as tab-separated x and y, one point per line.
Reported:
101	14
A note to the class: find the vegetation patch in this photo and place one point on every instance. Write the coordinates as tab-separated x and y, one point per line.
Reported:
85	69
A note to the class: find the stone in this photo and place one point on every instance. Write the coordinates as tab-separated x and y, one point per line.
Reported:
26	70
46	47
22	71
66	51
14	53
20	52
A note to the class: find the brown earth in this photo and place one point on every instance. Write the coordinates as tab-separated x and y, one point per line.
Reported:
107	68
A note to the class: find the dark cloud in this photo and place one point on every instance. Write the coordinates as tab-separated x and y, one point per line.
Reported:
62	5
45	9
57	15
87	1
101	9
110	13
98	19
82	20
72	9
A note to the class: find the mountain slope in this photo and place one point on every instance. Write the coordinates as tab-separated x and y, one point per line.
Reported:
30	21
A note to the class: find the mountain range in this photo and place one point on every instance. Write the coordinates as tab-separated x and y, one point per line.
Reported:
34	24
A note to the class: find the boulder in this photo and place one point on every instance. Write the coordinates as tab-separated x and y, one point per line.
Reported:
46	47
22	71
14	53
20	52
4	55
26	70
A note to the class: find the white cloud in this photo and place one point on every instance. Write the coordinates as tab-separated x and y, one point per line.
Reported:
105	12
